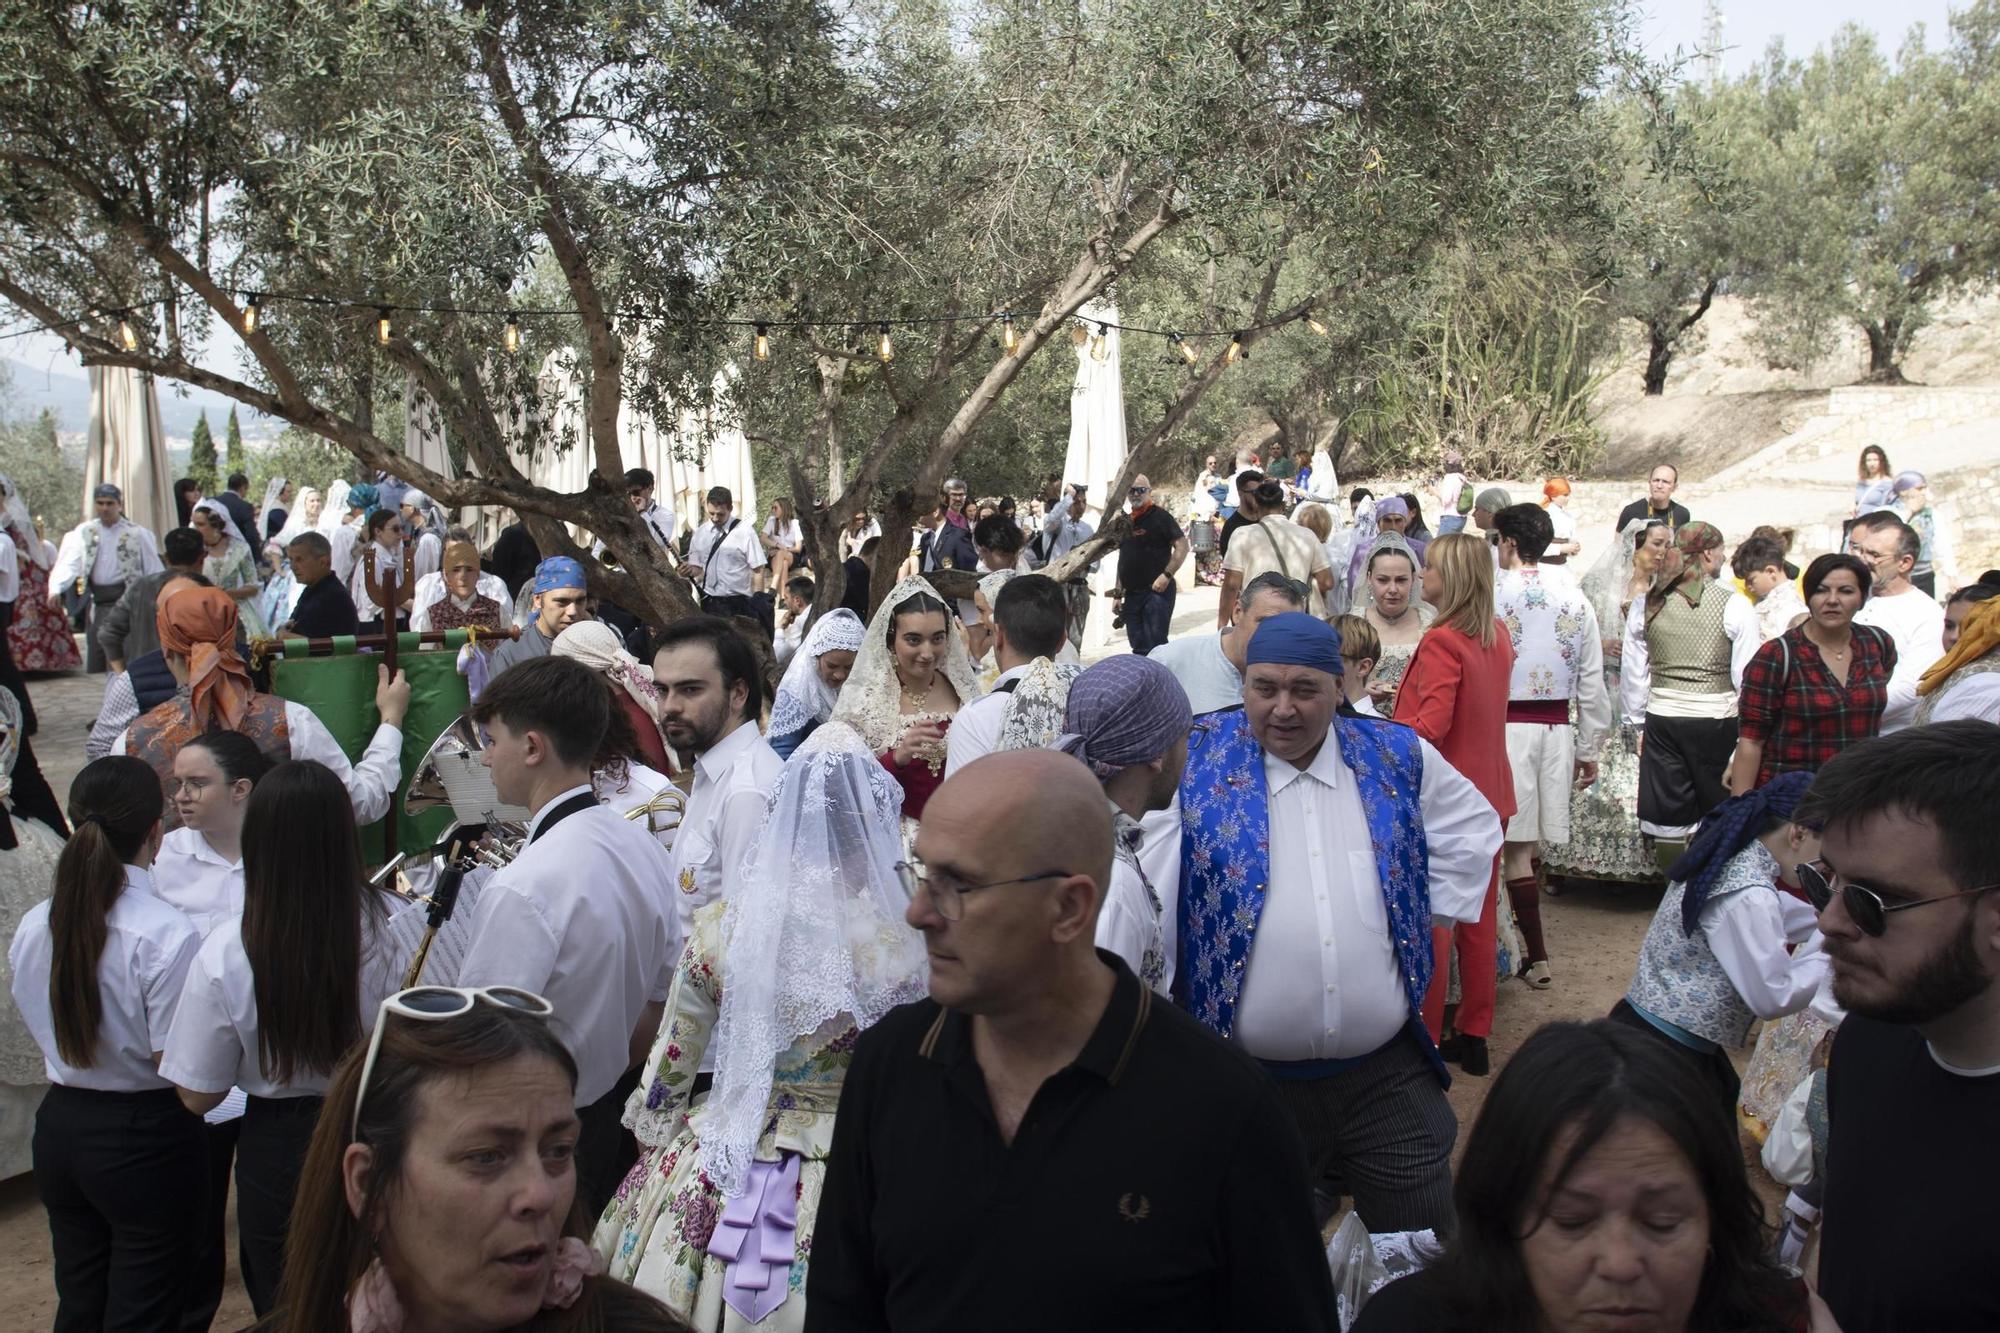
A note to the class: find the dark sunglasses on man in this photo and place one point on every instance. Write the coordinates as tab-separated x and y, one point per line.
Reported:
1867	907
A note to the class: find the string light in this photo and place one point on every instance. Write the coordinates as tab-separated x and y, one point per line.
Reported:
885	350
1236	351
761	347
127	334
1100	346
252	310
1314	324
1188	351
1010	341
382	329
512	337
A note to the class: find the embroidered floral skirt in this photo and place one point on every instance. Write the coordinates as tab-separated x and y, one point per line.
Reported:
1604	837
40	636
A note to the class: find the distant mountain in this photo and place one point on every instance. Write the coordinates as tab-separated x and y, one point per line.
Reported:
67	393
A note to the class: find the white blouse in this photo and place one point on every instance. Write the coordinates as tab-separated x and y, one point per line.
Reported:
191	875
214	1042
148	948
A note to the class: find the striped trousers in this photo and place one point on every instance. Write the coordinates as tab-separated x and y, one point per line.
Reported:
1384	1131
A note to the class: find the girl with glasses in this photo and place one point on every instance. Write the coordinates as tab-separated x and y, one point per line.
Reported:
278	995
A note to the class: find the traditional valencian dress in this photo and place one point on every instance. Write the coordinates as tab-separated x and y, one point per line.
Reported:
716	1218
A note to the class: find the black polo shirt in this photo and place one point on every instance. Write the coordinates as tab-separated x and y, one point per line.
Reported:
1154	1184
1675	513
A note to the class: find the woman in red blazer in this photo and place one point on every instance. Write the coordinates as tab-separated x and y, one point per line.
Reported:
1455	695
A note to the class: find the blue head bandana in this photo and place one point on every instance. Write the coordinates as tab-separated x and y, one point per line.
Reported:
364	497
559	571
1296	639
1126	710
1729	828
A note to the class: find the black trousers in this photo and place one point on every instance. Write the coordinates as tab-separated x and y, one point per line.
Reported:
727	606
270	1151
605	1149
1680	769
121	1176
211	1261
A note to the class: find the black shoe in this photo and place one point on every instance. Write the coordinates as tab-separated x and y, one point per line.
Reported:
1472	1059
1452	1049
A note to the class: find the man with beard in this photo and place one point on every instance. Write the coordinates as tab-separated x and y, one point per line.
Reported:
1909	890
711	696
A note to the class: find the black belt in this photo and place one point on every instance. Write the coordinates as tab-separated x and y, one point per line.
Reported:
102	598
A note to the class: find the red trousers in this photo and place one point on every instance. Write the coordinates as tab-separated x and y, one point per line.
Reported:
1478	968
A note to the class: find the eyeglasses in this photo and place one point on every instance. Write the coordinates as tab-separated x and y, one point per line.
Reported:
947	895
1870	913
1138	490
431	1004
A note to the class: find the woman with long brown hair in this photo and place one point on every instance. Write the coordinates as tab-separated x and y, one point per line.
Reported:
784	542
440	1187
1455	695
98	970
276	998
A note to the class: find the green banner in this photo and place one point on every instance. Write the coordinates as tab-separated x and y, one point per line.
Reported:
340	691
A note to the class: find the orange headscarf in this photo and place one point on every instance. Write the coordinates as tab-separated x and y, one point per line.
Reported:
1978	635
1553	487
200	624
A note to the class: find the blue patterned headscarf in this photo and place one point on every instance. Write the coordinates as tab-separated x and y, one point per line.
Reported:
1126	710
1729	828
364	497
559	571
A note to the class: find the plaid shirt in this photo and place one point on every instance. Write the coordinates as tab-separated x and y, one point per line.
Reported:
1809	718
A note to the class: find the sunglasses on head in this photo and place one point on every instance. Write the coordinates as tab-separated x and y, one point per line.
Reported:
432	1004
1865	906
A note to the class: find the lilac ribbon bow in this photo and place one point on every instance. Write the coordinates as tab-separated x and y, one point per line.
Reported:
755	1236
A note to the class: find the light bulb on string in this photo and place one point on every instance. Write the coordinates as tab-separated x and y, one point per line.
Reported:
253	310
1100	345
1189	353
1315	325
1236	351
127	334
761	346
1010	341
382	326
510	338
885	351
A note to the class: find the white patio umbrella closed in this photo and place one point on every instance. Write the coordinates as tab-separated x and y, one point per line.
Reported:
1097	444
128	448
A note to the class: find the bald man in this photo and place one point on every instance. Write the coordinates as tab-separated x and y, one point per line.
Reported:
1041	1112
1148	559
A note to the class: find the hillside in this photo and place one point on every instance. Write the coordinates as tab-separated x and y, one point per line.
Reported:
64	389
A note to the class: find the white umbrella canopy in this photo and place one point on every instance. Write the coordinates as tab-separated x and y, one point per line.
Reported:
423	431
1097	441
128	448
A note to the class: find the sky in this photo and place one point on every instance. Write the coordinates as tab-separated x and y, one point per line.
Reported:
1749	25
1663	25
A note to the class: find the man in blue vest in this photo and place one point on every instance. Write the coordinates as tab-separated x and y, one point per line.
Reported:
1317	851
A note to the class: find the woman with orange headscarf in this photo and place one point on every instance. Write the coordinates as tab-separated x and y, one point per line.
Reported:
198	639
1965	682
1555	499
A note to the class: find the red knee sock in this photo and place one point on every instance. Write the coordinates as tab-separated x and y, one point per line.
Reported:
1528	916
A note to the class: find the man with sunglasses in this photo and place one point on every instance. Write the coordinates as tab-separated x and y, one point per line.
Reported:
1148	558
1909	889
1043	1143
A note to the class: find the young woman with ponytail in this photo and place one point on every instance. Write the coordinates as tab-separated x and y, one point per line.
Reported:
276	997
98	972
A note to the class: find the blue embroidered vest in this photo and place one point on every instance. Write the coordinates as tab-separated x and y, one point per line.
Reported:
1226	857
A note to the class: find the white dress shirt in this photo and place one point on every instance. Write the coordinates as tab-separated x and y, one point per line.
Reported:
1558	653
851	541
1975	697
381	559
1211	680
975	728
119	711
370	783
1131	922
10	570
1323	980
581	918
1916	624
214	1043
1635	691
641	785
1748	932
787	638
148	948
346	543
192	876
1064	534
427	557
726	573
1561	520
732	789
69	562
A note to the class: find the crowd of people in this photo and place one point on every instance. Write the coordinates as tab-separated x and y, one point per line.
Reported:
885	966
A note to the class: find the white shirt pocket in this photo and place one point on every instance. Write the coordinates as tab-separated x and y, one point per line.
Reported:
1365	886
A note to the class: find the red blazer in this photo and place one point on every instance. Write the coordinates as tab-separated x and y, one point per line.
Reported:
1455	694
